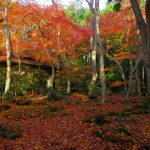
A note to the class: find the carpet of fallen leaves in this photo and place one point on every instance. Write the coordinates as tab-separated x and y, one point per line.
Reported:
76	124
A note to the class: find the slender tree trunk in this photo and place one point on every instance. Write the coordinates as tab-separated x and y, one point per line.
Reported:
15	94
94	63
18	56
147	52
94	73
1	95
50	81
137	72
120	68
143	75
130	57
8	51
68	86
144	28
94	8
101	53
138	82
102	77
123	76
60	59
32	91
68	75
121	71
19	65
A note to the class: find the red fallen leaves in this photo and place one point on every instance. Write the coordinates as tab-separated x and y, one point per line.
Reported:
71	132
117	98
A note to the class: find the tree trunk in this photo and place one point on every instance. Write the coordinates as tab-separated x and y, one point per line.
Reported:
123	76
138	82
144	28
8	51
130	57
102	77
15	94
1	95
94	73
143	75
101	53
94	8
67	69
147	52
32	91
19	65
50	81
94	63
68	86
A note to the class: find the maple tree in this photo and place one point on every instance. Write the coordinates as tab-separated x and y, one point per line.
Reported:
52	32
121	33
143	26
5	8
54	53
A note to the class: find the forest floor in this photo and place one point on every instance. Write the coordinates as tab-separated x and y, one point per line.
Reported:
75	123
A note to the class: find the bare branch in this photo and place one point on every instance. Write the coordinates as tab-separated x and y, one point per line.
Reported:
53	1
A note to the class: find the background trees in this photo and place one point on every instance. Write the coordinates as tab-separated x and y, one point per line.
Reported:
77	42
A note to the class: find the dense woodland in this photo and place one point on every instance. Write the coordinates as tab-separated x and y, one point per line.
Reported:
75	78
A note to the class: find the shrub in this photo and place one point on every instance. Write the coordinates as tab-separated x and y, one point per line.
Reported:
2	79
55	96
29	79
4	107
68	101
78	102
23	102
124	130
8	96
131	140
54	108
33	112
10	133
99	134
101	120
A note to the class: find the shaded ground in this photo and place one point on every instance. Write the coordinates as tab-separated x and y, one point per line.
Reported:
75	124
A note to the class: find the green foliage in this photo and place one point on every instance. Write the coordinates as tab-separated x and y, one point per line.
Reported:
9	96
79	85
109	8
111	75
98	119
34	112
101	120
2	79
27	80
4	107
143	108
68	101
10	133
21	83
80	15
54	95
112	139
117	6
78	102
99	134
96	91
124	131
23	102
1	20
131	140
54	108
